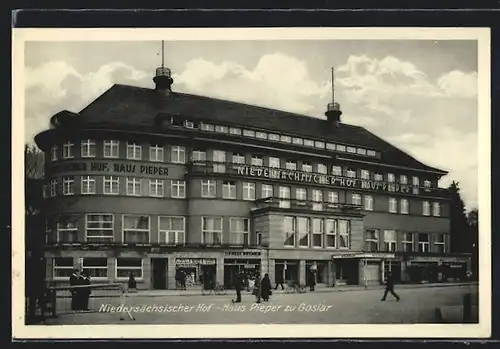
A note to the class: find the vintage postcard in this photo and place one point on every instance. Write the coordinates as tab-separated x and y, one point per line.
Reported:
251	183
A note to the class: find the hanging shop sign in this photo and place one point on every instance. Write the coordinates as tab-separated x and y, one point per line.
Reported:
109	167
195	261
316	178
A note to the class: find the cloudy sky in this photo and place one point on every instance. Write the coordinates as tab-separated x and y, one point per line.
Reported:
419	95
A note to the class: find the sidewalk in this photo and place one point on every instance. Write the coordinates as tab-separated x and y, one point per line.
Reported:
197	291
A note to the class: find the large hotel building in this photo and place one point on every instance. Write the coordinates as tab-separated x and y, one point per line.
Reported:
150	181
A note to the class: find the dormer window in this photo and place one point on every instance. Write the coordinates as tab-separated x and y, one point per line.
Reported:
330	146
336	170
361	151
340	147
249	133
235	131
390	177
286	139
176	122
188	124
307	167
68	150
297	141
291	165
207	127
320	145
274	137
221	129
371	153
351	173
351	150
53	153
403	179
427	184
365	174
261	135
378	177
308	143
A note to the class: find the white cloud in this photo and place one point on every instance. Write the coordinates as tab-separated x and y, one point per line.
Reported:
458	84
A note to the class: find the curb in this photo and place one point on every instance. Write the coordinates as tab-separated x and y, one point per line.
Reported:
326	290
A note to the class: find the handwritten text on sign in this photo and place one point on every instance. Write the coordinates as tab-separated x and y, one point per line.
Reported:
316	178
116	167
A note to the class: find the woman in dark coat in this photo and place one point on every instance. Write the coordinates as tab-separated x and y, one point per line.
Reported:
265	287
132	284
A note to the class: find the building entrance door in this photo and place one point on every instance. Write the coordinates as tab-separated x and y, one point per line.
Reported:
159	273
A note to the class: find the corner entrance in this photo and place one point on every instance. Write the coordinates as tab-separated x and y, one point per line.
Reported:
159	273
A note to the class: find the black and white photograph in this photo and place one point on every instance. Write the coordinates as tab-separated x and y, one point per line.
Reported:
303	179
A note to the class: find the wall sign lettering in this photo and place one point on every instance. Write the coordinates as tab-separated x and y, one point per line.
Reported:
110	167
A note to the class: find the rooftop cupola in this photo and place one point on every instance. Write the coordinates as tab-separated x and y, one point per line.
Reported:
163	79
333	111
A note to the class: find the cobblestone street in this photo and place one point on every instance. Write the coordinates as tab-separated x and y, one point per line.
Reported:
417	305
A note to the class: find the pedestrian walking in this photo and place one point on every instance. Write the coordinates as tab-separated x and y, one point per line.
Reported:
279	281
238	286
257	289
389	287
265	288
132	284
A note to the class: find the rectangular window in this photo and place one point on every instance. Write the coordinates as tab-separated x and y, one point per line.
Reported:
207	127
290	230
390	177
403	179
134	186
368	203
439	243
333	197
267	191
307	167
136	229
229	190
45	191
54	151
127	266
436	209
178	154
156	153
134	151
212	230
67	229
371	240
415	181
344	232
284	193
178	189
239	231
99	228
330	146
88	148
356	199
63	267
221	129
336	170
235	131
427	184
291	165
68	185
408	242
371	153
317	198
393	205
301	194
248	191
390	240
248	133
361	151
171	230
219	158
286	139
261	135
404	206
68	150
274	162
308	143
88	185
351	173
331	233
188	124
95	268
198	156
53	187
257	160
378	177
111	149
322	169
340	147
365	174
423	243
274	137
318	231
238	159
297	141
351	150
303	229
208	188
426	208
319	144
156	187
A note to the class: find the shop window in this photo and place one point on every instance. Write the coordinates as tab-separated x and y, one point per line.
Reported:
63	267
95	268
129	266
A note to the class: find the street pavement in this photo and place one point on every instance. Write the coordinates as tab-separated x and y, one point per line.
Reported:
417	305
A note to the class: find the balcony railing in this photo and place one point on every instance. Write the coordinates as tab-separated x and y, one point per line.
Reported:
225	169
288	204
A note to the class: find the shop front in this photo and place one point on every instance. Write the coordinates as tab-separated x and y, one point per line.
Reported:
317	271
454	271
194	272
286	271
423	271
240	263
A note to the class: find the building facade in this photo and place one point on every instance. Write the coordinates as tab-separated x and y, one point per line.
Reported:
149	181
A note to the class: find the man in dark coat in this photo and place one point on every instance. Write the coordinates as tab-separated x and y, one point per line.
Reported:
238	285
265	287
389	287
73	281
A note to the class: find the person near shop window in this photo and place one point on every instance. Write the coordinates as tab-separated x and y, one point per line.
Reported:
265	288
238	285
279	281
389	287
257	289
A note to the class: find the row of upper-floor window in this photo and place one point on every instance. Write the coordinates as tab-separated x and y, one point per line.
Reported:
209	188
393	241
178	156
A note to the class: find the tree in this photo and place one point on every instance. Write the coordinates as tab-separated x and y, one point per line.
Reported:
473	219
461	241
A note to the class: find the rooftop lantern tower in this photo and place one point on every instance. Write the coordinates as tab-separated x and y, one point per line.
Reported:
163	78
333	111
